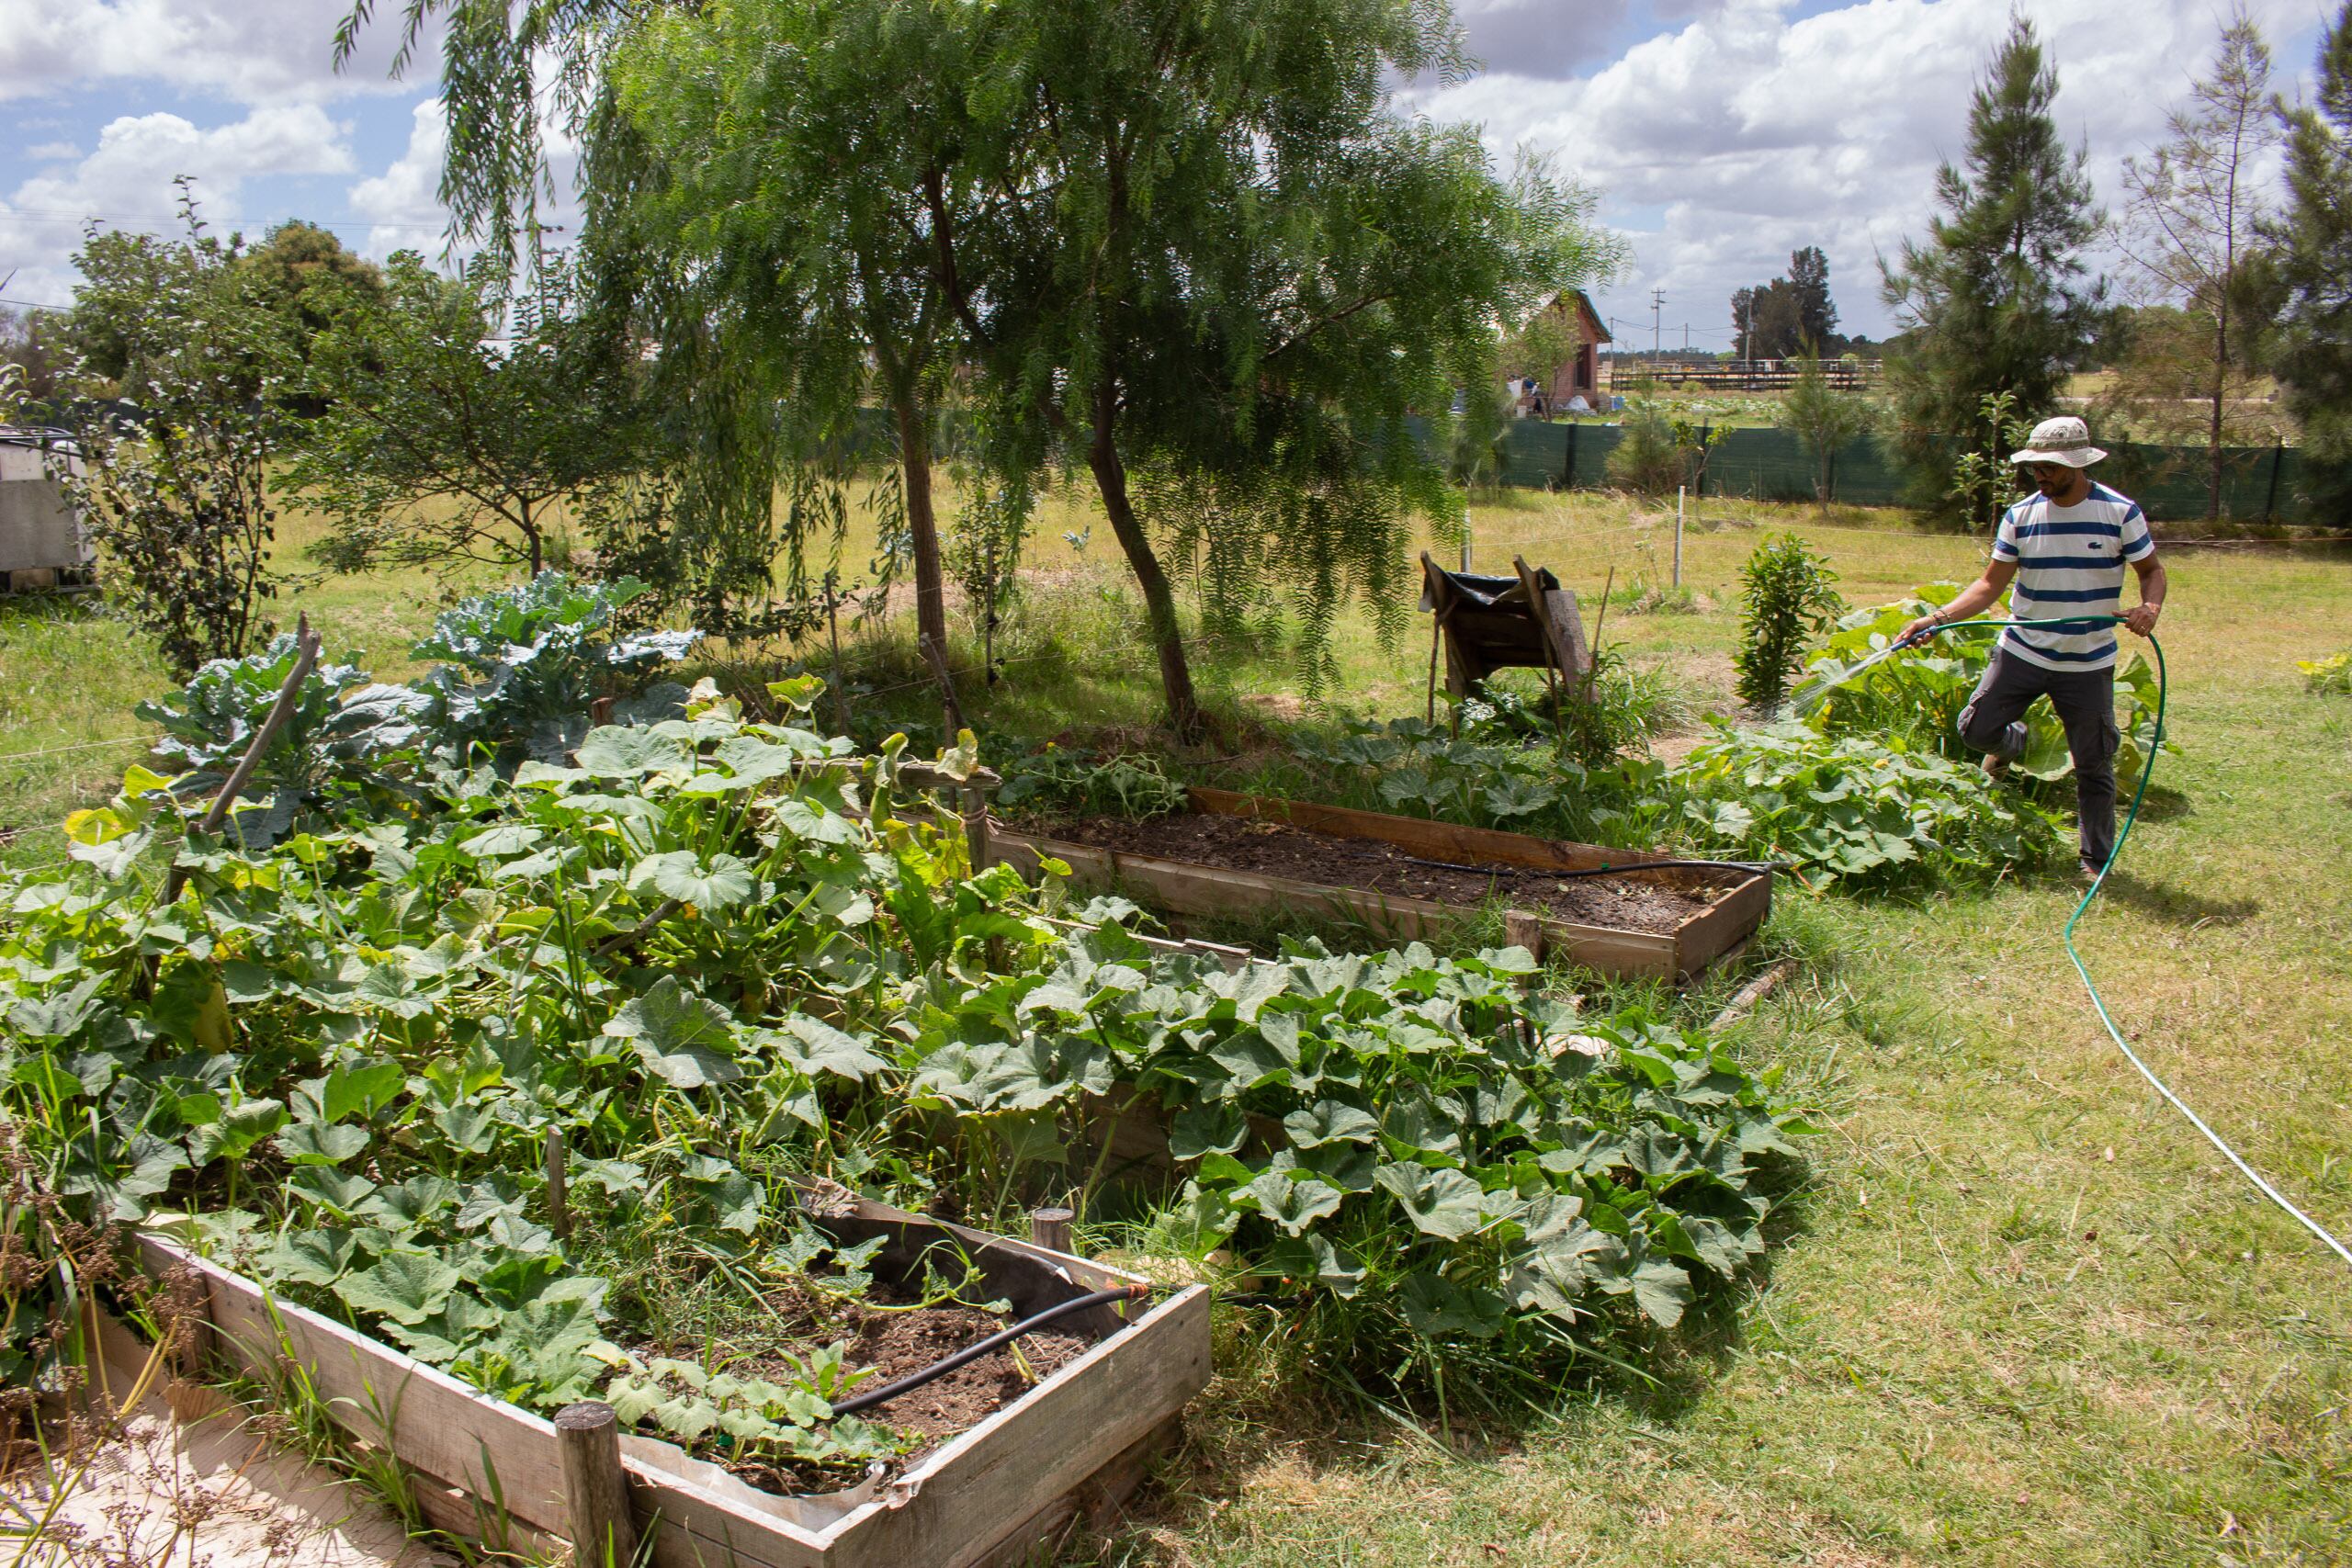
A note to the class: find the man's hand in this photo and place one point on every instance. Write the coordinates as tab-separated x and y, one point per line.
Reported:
1918	630
2142	617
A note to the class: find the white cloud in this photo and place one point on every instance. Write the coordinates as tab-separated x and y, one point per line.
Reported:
1750	133
250	51
127	183
52	153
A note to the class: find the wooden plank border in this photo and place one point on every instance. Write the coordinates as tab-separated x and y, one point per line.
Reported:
479	1465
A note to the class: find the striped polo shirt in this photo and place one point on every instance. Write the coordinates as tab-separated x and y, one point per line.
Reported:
2070	559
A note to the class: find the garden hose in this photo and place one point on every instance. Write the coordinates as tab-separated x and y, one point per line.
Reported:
997	1341
2099	1003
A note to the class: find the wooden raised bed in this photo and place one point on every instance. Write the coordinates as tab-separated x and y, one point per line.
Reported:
1187	888
1077	1441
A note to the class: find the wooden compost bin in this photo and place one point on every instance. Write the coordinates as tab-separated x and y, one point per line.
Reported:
1188	887
1078	1441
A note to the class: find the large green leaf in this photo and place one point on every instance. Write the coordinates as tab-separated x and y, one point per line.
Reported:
240	1127
1329	1121
616	752
813	1046
1292	1202
405	1287
1440	1202
725	882
1435	1306
317	1143
1210	1127
684	1040
310	1256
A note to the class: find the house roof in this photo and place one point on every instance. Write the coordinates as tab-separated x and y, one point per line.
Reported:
1592	318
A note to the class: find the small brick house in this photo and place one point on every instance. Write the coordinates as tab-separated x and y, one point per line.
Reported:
1579	373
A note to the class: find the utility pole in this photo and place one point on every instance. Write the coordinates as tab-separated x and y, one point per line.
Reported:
1657	303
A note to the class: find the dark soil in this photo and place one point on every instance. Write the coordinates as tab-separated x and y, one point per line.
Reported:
1655	902
892	1344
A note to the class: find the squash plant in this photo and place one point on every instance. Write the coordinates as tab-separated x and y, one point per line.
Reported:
713	954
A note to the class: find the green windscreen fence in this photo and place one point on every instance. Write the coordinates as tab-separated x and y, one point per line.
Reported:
2259	483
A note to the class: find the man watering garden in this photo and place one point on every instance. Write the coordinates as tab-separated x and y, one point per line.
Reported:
2060	551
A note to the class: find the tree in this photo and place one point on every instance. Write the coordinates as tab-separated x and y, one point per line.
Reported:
2312	243
1788	316
303	272
1998	299
34	342
1232	275
2192	213
175	491
443	444
1824	418
1816	313
794	151
1786	597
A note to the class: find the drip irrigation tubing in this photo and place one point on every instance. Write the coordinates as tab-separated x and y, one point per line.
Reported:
973	1352
2099	1003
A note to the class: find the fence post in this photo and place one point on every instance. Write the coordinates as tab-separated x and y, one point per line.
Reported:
1677	535
2270	501
1568	469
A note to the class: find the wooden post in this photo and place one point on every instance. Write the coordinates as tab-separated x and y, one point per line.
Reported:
1049	1228
558	1186
588	1439
1522	928
306	658
975	828
1677	535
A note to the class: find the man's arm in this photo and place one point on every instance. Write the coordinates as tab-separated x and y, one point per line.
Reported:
2142	617
1974	599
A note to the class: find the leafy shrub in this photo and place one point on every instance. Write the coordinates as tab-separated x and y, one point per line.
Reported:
1918	693
1055	779
1647	458
712	952
522	669
1852	809
1412	768
1787	597
2333	674
340	731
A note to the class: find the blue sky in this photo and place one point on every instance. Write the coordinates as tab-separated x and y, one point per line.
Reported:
1719	134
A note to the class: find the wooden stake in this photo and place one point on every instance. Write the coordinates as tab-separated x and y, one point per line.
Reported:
306	658
1522	928
1748	995
588	1440
559	1187
1049	1228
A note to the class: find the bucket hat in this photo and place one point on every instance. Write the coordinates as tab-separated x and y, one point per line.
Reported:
2064	440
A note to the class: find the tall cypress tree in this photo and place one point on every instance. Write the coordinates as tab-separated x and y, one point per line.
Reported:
2000	297
2312	349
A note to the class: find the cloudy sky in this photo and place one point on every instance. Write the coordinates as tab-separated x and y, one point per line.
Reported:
1722	134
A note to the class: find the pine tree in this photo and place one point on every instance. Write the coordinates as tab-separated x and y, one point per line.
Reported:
1816	313
2000	297
2312	349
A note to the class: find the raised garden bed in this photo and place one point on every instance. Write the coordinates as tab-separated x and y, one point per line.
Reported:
1242	855
1077	1439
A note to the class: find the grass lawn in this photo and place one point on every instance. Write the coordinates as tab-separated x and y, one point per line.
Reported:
2026	1315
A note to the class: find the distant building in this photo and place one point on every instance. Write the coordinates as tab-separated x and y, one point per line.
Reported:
1579	373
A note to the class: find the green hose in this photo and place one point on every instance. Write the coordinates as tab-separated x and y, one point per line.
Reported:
2147	771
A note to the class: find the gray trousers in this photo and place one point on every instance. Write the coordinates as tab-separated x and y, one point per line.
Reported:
1993	721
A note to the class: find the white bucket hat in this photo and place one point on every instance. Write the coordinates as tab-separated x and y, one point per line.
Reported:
2065	440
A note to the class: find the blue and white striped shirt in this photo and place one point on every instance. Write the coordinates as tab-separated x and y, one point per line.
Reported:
2070	559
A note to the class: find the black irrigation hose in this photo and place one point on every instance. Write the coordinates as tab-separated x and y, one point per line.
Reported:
973	1352
1608	870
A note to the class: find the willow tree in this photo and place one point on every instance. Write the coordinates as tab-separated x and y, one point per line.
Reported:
1193	247
1227	272
769	177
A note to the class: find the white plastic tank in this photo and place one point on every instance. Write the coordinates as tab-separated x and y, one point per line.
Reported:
42	542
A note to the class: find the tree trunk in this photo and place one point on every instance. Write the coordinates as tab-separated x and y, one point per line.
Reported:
2221	388
922	529
1160	600
531	538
